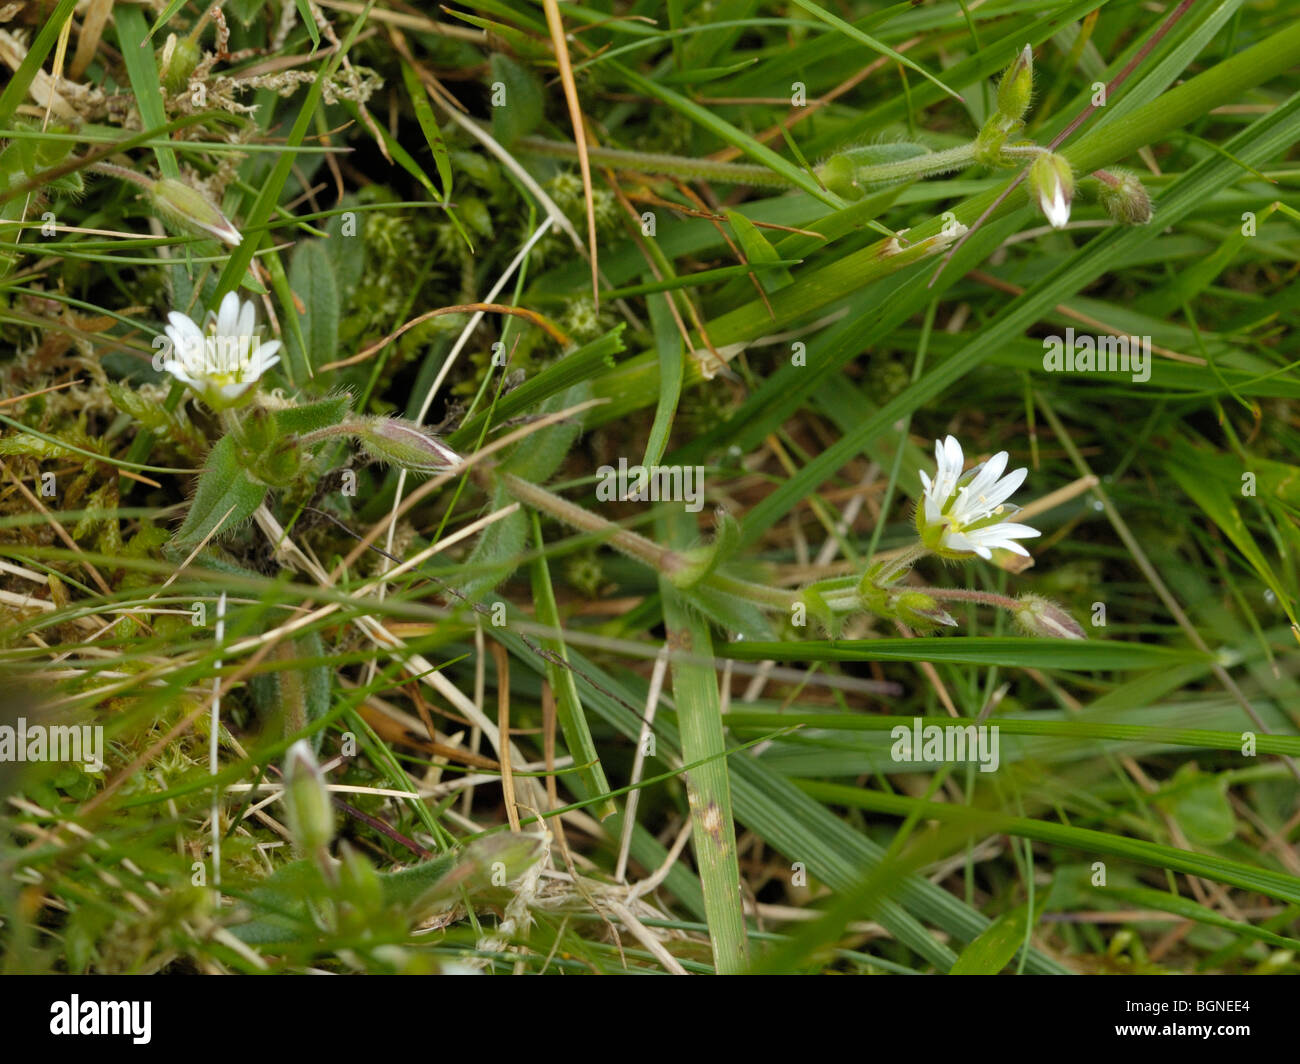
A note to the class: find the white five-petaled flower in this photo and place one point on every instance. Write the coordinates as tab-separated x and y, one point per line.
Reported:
225	358
964	513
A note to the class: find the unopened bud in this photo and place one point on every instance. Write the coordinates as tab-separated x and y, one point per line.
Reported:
177	61
919	610
1017	86
1124	197
1042	617
189	209
406	444
306	799
1051	186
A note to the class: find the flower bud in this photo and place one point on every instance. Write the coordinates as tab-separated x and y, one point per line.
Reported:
1017	86
873	597
1051	186
306	799
919	610
189	209
280	465
177	61
1042	617
406	444
255	432
1125	198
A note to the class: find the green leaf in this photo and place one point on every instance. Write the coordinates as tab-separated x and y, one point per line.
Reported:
1200	805
568	706
316	683
728	612
429	127
537	457
499	549
226	495
1145	898
309	20
347	252
1221	508
872	43
699	714
521	111
142	69
281	906
999	943
311	276
757	249
233	273
992	822
973	650
296	420
573	368
16	91
244	10
170	423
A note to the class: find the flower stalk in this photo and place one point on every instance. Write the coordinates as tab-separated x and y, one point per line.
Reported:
962	514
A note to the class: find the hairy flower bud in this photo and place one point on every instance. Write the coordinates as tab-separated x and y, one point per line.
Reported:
1051	186
1042	617
190	210
1124	197
919	610
406	444
306	799
1017	85
177	60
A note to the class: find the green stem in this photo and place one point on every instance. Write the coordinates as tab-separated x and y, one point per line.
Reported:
660	163
630	543
895	568
928	165
1017	152
758	594
346	428
123	174
986	598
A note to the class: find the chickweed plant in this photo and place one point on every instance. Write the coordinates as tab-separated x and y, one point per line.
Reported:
517	485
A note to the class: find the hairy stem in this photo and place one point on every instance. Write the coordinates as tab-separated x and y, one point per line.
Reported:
986	598
630	543
928	165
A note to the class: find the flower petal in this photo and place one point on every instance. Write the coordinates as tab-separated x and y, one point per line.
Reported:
247	319
228	315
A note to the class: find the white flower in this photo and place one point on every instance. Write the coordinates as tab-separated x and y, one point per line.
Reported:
964	513
1051	183
225	358
1057	210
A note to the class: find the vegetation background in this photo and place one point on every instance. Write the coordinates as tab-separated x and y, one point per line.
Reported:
543	752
